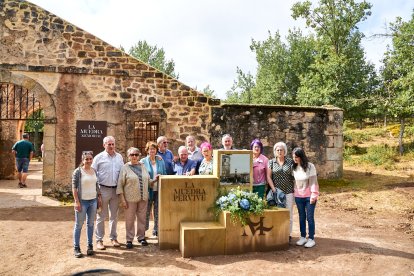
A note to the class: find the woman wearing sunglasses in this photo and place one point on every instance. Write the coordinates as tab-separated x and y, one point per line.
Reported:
133	183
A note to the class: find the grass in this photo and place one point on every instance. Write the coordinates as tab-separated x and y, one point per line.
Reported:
377	146
372	149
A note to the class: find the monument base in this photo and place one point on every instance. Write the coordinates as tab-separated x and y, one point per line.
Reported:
267	232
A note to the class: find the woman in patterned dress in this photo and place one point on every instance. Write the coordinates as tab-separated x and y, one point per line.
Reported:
280	176
206	166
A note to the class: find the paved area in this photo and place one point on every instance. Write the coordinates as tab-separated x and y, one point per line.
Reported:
13	197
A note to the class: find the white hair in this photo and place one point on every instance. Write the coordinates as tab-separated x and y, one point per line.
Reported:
108	139
280	145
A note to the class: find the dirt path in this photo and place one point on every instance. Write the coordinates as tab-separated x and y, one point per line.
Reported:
358	239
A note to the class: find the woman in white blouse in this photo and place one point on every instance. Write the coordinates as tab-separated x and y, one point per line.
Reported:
306	192
206	166
87	197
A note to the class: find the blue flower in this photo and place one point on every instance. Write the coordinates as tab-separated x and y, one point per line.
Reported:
232	197
245	204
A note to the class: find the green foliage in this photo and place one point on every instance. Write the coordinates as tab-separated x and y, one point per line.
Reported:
241	91
380	155
35	125
154	56
398	70
209	92
334	21
340	75
241	204
280	66
398	74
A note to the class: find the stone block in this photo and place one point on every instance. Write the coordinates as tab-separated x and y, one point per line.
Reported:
183	198
202	239
263	233
334	154
335	141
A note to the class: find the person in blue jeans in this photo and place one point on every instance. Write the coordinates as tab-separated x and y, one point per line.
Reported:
155	167
306	191
87	197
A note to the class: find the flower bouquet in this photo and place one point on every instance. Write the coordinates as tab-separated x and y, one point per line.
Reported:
241	204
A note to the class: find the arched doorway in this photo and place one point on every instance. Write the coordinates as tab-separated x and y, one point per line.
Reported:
21	99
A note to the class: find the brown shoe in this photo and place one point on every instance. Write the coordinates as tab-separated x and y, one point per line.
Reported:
115	243
100	245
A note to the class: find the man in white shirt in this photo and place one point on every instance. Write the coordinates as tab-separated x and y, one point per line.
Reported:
108	164
194	152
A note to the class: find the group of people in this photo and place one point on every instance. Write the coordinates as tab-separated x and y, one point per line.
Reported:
103	183
296	177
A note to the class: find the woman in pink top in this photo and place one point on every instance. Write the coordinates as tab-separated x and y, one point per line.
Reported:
306	192
259	168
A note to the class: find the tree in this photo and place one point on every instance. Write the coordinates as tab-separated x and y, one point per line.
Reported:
280	66
209	92
154	56
241	91
398	73
340	75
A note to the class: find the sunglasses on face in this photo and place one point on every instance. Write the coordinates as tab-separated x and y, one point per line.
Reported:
165	142
134	154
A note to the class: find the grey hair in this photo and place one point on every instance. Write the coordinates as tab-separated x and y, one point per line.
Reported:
132	149
108	138
189	136
160	139
281	145
225	136
181	148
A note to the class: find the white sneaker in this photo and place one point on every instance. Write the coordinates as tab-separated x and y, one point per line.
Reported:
301	241
310	243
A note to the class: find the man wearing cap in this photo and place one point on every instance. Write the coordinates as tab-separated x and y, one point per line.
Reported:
23	150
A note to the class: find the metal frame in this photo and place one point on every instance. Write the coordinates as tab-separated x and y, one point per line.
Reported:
18	103
143	132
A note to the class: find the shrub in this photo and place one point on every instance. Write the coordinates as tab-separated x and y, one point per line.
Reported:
380	155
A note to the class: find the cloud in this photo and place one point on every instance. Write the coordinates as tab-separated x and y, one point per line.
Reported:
207	39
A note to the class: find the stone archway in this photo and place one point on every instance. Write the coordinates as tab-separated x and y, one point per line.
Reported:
6	159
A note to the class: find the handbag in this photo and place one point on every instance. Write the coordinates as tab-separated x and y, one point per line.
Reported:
276	199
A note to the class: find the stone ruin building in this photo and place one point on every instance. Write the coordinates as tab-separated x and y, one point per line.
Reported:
74	77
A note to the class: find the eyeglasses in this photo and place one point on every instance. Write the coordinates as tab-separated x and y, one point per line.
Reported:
165	142
111	144
134	154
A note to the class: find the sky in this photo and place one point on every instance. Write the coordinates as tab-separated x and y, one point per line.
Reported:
208	39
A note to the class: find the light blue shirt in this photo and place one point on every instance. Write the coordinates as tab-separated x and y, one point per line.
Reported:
108	168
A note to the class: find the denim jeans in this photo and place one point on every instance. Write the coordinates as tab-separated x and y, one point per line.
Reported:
89	211
152	201
306	213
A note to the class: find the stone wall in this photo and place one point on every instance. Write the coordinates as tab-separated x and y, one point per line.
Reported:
84	78
77	76
317	129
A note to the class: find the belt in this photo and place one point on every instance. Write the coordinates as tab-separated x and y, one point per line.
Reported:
113	187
